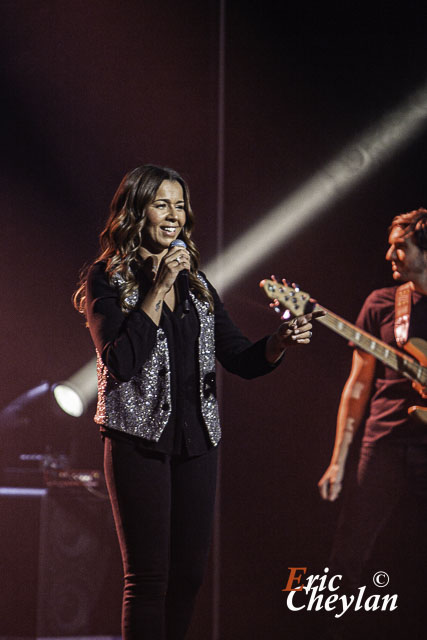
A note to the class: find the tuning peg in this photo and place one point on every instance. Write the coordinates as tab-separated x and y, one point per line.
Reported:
262	283
273	278
295	286
285	282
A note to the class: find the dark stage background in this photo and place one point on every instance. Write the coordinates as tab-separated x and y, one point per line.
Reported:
93	88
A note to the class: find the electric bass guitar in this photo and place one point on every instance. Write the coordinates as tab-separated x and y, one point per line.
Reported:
415	368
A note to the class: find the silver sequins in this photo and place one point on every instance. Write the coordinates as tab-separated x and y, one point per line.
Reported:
142	406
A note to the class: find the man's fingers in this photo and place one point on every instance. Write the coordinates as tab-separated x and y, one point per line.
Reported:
318	314
323	490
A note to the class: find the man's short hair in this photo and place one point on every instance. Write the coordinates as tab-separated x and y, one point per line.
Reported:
414	223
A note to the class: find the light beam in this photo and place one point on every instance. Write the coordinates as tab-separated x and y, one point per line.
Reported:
358	160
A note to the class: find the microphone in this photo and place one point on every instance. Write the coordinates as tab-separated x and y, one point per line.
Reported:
182	281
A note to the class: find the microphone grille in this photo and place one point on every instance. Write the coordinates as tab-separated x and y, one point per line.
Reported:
178	243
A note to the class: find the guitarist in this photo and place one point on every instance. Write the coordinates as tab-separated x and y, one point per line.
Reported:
394	447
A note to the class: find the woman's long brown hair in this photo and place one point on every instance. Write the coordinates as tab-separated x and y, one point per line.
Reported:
121	238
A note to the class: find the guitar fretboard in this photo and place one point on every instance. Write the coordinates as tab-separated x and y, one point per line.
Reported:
393	358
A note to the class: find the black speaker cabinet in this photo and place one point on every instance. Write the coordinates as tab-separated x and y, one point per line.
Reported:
60	569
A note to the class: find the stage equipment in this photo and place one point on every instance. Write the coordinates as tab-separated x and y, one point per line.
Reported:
36	435
75	394
60	564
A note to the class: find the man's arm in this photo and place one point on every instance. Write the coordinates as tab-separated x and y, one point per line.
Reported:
354	399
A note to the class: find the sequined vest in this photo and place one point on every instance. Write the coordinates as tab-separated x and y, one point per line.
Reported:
142	406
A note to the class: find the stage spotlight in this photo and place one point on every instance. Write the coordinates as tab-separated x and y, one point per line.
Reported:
75	394
69	400
71	396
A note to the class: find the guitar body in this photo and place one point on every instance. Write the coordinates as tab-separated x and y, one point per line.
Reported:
415	368
417	347
419	413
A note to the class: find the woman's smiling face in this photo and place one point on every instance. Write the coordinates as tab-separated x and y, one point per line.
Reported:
165	217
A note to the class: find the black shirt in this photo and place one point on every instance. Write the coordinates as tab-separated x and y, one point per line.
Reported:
126	340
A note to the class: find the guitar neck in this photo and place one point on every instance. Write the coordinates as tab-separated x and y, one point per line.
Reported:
383	352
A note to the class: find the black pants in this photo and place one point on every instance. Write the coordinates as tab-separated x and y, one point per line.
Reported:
385	472
163	509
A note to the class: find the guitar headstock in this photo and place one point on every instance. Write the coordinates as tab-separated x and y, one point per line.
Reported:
289	297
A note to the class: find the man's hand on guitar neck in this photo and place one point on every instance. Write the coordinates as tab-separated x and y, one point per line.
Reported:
289	333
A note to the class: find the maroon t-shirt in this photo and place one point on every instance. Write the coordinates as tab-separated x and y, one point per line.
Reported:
392	394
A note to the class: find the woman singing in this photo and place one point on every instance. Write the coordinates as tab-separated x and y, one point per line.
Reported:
156	394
